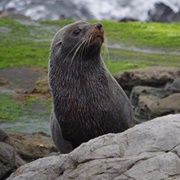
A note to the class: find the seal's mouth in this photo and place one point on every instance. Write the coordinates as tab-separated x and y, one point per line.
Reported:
100	37
97	40
97	34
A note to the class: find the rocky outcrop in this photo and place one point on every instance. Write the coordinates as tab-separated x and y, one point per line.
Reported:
9	159
151	102
163	13
32	146
150	106
18	148
150	150
153	77
153	91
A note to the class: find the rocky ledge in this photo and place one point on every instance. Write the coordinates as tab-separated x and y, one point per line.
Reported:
150	150
153	91
17	149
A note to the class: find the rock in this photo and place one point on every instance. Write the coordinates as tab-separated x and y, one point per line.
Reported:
150	106
161	13
17	148
32	146
145	91
41	86
150	102
168	105
176	17
3	81
153	76
149	150
174	87
9	160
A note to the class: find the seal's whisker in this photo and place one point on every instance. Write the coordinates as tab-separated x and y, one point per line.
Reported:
77	49
83	49
89	39
80	46
71	51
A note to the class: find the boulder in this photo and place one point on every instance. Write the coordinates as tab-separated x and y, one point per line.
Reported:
161	13
32	146
151	102
150	150
153	91
153	76
173	87
9	159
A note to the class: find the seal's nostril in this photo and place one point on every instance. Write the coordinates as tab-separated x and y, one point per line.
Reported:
99	26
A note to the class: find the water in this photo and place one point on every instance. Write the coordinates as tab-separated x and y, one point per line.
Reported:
85	9
27	125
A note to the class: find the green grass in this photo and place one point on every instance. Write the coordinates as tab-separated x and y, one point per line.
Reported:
144	35
29	45
10	109
122	60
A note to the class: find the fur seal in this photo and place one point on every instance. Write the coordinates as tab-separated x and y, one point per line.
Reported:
87	100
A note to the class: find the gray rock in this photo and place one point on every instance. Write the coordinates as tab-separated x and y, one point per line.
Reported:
174	87
154	77
145	91
9	160
32	146
151	102
150	107
161	13
150	150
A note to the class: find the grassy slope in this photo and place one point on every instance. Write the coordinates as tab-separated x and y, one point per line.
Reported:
28	45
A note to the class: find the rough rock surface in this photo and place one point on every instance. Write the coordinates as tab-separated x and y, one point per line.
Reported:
153	91
154	77
32	146
9	160
151	102
150	150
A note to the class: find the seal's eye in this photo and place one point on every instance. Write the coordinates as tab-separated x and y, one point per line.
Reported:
77	32
58	43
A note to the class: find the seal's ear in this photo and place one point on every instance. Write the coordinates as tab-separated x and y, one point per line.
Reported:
59	43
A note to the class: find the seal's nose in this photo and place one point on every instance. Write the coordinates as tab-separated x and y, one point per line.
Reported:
99	26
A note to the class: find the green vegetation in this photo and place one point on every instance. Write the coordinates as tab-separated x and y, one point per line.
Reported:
10	109
26	116
131	60
145	35
26	43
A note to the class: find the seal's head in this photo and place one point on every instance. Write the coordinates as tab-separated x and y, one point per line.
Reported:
79	40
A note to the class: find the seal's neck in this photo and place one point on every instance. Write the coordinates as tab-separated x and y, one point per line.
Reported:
75	70
79	64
